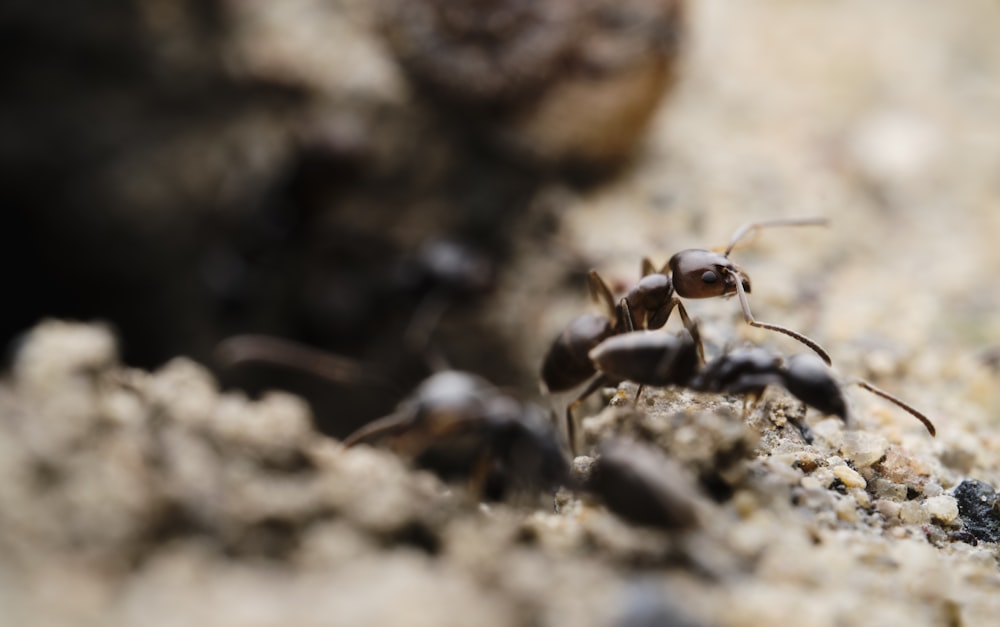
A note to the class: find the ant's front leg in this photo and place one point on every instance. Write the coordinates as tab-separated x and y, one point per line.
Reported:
692	328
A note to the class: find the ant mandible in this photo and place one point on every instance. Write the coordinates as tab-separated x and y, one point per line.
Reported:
691	273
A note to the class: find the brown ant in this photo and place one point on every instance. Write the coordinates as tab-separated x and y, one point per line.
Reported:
458	425
660	359
642	485
691	273
455	424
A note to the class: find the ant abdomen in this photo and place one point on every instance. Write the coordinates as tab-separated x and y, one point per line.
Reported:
567	363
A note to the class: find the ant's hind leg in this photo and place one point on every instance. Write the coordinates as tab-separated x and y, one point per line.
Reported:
600	292
799	421
571	424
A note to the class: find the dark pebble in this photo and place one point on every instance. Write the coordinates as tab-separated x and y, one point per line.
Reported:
977	506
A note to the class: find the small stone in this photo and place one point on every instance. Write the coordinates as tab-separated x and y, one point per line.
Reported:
862	498
583	465
846	509
943	508
932	488
811	483
914	513
825	477
864	448
745	503
849	477
977	504
885	489
888	509
830	430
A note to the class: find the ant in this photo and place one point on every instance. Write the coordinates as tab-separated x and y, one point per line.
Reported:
640	484
459	425
691	273
659	359
455	424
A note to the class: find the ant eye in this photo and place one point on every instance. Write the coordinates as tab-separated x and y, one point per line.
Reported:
709	277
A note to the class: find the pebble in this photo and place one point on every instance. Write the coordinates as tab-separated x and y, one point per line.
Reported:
846	509
943	508
830	430
914	513
811	483
850	477
889	509
864	448
885	489
977	505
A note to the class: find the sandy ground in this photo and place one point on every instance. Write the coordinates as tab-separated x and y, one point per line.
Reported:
133	497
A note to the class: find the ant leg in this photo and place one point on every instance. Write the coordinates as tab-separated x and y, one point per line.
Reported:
692	328
423	322
746	229
625	316
748	316
600	292
275	351
658	318
595	384
648	268
800	423
750	403
626	323
480	476
387	425
902	405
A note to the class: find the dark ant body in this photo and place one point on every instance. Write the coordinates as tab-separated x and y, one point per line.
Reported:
455	424
691	273
640	484
660	359
460	426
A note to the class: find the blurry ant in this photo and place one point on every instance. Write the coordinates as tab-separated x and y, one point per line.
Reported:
458	425
455	424
642	485
693	273
660	359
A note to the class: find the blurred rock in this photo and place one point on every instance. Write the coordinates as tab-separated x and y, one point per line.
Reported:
978	507
566	84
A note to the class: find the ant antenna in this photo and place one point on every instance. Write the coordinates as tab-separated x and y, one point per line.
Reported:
251	348
387	425
748	316
746	229
898	402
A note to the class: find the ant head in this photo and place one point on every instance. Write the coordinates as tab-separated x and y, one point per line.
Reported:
700	273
